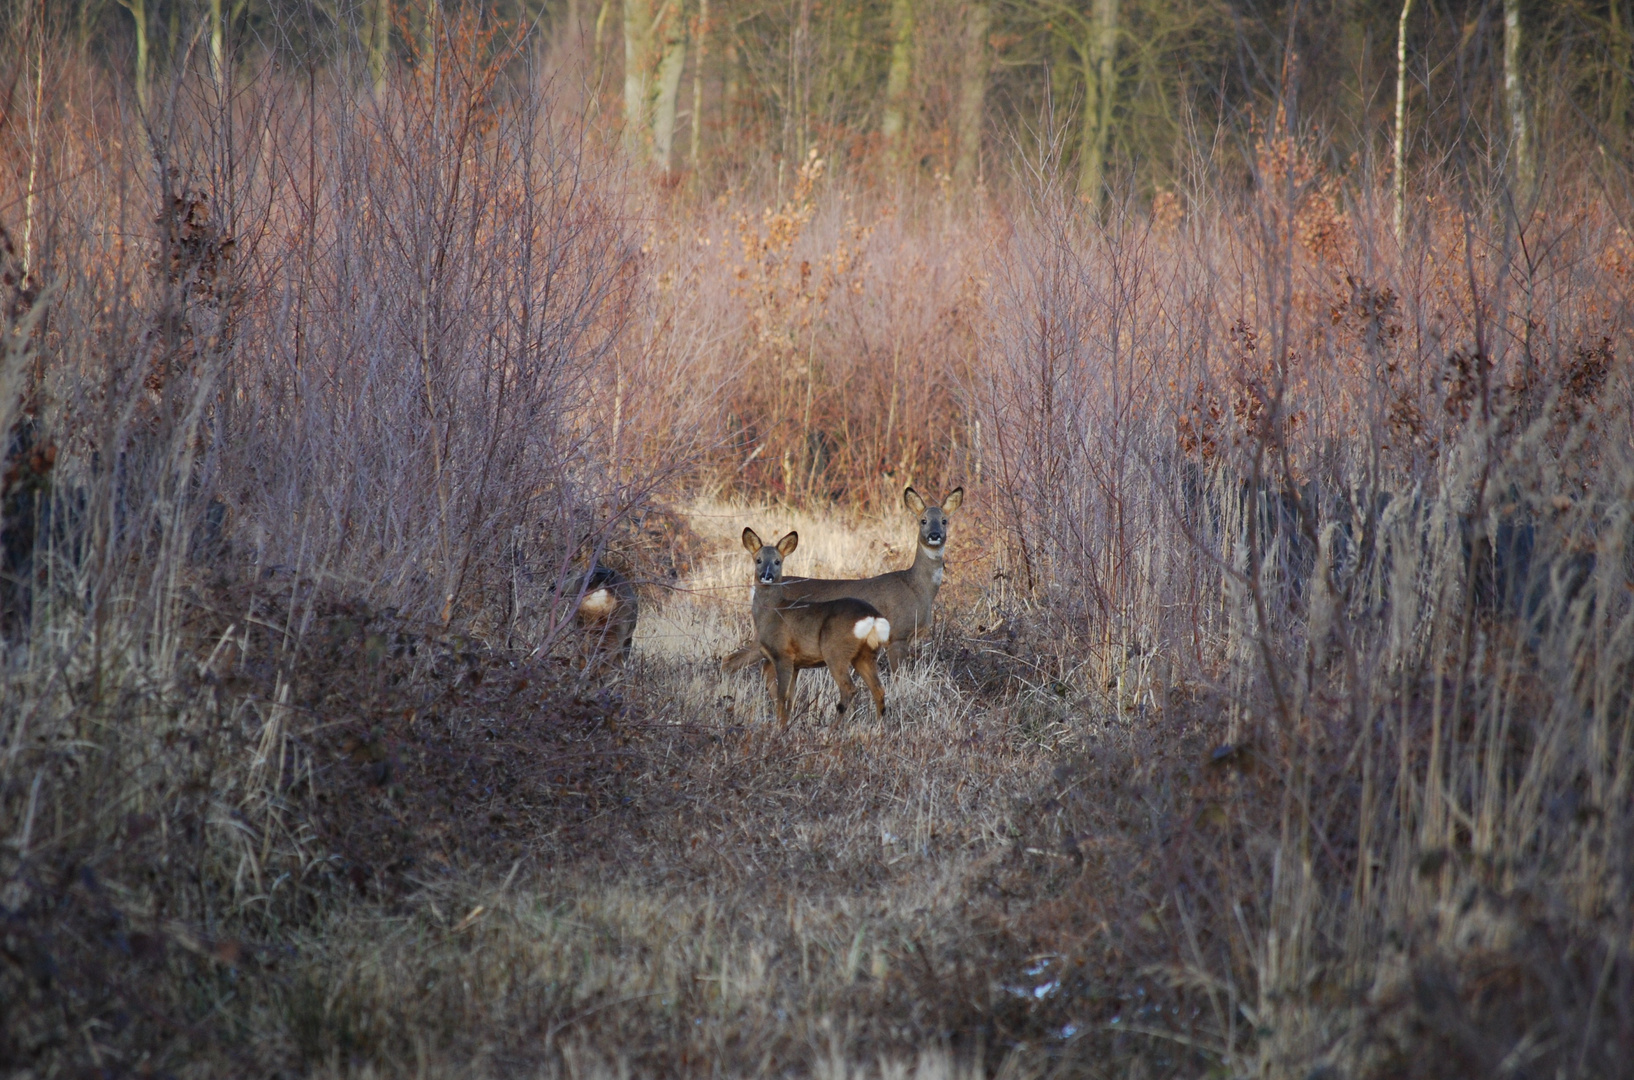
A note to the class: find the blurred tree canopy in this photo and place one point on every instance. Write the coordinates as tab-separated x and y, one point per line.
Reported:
1120	94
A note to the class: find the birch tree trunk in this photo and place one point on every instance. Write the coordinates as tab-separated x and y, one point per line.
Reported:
698	81
139	14
218	45
1100	87
1399	175
972	92
1354	48
733	84
670	66
638	70
894	122
601	29
1520	127
428	34
379	43
1622	72
853	41
655	53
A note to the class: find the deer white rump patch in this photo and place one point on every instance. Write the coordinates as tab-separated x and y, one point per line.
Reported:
599	602
876	631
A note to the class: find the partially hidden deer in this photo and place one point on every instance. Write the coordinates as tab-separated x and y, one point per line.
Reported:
792	633
606	615
904	597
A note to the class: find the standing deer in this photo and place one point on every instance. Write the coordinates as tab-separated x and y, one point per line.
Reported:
791	633
904	597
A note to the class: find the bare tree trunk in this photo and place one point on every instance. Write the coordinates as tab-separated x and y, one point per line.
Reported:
1621	73
802	55
733	84
218	45
90	14
894	122
638	69
379	31
1399	178
698	82
37	32
670	66
972	92
1100	87
1354	42
428	33
853	41
1062	82
601	27
1520	128
655	51
139	14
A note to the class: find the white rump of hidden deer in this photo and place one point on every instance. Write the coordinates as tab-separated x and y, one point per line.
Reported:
606	615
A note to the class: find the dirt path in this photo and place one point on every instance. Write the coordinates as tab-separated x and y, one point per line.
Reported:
760	900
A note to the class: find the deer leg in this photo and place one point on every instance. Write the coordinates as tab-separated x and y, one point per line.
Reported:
867	665
598	657
627	633
841	670
769	671
775	687
786	675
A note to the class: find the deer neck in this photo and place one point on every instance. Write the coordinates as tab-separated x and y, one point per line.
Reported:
766	596
927	568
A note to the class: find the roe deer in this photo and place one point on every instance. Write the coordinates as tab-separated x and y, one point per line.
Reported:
606	614
791	634
904	597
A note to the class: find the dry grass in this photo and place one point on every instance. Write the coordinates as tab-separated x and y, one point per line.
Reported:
759	900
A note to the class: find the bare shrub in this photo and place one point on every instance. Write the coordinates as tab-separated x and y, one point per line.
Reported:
301	386
1381	534
838	329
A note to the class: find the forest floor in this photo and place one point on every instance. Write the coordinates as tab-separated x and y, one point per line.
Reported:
843	896
364	850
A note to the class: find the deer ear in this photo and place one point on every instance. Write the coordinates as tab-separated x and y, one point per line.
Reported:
953	500
911	499
751	542
786	546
